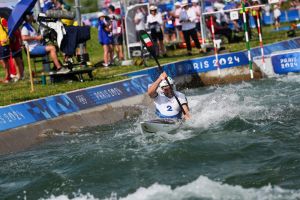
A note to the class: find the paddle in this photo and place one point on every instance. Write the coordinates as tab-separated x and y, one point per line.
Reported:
148	43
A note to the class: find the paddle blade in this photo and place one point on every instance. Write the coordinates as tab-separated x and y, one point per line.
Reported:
147	41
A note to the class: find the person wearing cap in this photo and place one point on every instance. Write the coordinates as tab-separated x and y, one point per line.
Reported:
197	10
154	23
105	38
116	32
187	19
177	22
139	21
165	101
33	41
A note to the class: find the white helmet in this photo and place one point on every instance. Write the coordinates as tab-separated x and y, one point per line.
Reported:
164	83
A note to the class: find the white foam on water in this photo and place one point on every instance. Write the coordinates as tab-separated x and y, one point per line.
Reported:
77	196
291	77
221	105
201	188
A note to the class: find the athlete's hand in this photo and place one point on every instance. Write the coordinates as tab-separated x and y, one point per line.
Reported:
186	117
163	76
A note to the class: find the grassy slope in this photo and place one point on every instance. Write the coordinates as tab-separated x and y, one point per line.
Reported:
20	91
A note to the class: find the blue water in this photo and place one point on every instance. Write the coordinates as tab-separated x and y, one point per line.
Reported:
242	143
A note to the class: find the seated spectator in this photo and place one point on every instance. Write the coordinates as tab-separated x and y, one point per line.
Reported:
154	22
222	30
4	49
51	4
33	43
105	38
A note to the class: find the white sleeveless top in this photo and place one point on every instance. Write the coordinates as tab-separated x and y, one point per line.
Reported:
168	107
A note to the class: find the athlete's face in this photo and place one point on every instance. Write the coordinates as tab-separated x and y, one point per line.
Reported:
167	91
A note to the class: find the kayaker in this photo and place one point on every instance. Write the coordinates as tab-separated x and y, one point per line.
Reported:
165	101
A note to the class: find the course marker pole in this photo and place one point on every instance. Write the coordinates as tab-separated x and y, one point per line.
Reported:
247	39
215	45
260	40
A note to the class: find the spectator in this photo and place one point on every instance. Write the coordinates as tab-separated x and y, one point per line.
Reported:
16	51
177	22
295	4
256	12
169	21
116	32
33	42
139	20
4	49
197	10
187	18
105	38
277	14
154	22
222	30
51	5
247	4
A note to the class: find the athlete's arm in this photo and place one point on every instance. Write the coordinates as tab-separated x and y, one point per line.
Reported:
152	89
187	111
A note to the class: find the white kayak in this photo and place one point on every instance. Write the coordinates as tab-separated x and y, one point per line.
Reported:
160	125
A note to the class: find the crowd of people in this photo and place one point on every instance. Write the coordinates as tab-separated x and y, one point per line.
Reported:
180	24
183	22
110	35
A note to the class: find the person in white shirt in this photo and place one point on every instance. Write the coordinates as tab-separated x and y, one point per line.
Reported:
187	19
197	10
33	41
139	20
177	22
277	14
154	23
165	101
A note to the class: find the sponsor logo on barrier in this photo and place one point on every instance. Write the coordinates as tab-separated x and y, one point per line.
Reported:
11	116
105	94
285	63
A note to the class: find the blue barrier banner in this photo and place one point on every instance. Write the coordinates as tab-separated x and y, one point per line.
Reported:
100	95
198	65
14	116
285	63
81	99
34	111
117	91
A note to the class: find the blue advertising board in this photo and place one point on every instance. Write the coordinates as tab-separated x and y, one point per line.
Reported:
197	65
51	107
285	63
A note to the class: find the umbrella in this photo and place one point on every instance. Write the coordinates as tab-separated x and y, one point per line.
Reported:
5	12
17	15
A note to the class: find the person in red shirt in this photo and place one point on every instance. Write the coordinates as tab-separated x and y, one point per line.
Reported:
16	51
